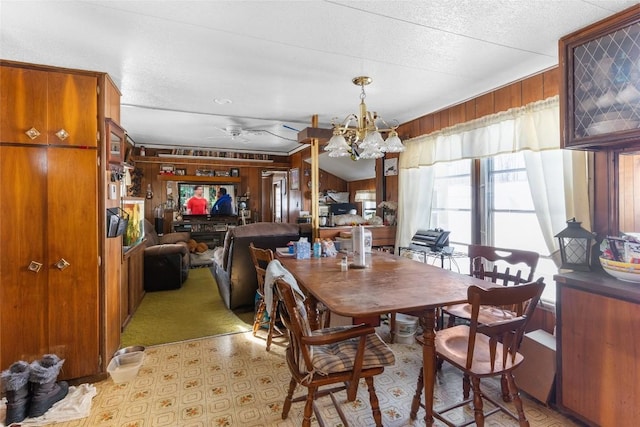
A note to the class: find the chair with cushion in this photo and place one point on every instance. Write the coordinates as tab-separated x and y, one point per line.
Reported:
482	350
337	357
166	259
261	258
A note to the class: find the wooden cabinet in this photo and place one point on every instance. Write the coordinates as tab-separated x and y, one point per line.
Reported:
52	295
49	283
600	93
111	99
132	290
598	337
48	107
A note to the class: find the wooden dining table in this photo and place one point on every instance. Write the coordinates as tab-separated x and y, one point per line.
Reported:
388	284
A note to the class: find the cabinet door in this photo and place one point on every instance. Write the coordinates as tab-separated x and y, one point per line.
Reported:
73	109
72	236
23	291
23	102
600	380
599	67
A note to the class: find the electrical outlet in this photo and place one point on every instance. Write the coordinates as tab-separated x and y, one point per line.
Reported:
113	194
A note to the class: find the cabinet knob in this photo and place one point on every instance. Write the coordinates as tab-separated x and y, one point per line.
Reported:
62	134
34	266
33	133
62	264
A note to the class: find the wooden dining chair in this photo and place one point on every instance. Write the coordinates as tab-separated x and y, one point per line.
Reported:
482	350
329	360
497	265
506	267
261	258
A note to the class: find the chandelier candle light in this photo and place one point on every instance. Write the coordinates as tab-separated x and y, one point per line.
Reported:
359	136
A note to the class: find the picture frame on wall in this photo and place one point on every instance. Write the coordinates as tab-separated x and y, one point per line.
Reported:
391	166
116	141
235	172
294	179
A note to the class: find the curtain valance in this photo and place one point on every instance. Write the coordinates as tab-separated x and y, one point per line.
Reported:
534	127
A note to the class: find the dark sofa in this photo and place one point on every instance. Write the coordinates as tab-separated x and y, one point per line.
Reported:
236	277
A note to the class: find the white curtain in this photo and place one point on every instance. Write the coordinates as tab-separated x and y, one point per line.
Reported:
415	193
534	129
555	203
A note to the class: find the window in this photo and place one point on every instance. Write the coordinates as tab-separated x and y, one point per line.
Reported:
511	220
451	204
505	212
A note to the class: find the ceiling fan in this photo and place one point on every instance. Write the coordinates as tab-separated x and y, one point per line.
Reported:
236	133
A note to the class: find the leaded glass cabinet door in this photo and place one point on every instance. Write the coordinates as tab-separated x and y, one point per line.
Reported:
600	71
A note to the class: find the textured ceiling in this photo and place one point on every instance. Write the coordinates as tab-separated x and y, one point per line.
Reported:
282	62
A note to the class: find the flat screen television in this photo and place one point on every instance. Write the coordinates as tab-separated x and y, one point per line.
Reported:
186	191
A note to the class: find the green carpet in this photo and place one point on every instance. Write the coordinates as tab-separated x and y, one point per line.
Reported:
193	311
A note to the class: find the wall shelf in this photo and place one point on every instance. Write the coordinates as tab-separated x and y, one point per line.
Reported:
198	178
231	159
211	161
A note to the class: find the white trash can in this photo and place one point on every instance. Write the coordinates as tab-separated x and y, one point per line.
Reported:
406	327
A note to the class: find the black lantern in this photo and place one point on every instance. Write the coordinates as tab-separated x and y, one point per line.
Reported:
575	246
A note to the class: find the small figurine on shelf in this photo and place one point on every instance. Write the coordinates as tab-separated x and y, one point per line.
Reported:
143	151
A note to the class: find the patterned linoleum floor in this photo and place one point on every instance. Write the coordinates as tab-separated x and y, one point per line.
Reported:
231	380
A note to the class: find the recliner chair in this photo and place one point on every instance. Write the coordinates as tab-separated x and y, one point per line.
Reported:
166	259
236	277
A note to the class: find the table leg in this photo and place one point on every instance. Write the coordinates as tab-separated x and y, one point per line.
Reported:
429	363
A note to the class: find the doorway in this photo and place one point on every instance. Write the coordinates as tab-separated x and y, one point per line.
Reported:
274	196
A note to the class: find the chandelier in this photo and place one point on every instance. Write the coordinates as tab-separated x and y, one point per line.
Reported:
360	136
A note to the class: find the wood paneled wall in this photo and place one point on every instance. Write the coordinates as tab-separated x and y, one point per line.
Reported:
629	192
517	94
363	184
250	174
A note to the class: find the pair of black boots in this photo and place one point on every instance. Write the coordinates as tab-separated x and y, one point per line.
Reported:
32	388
